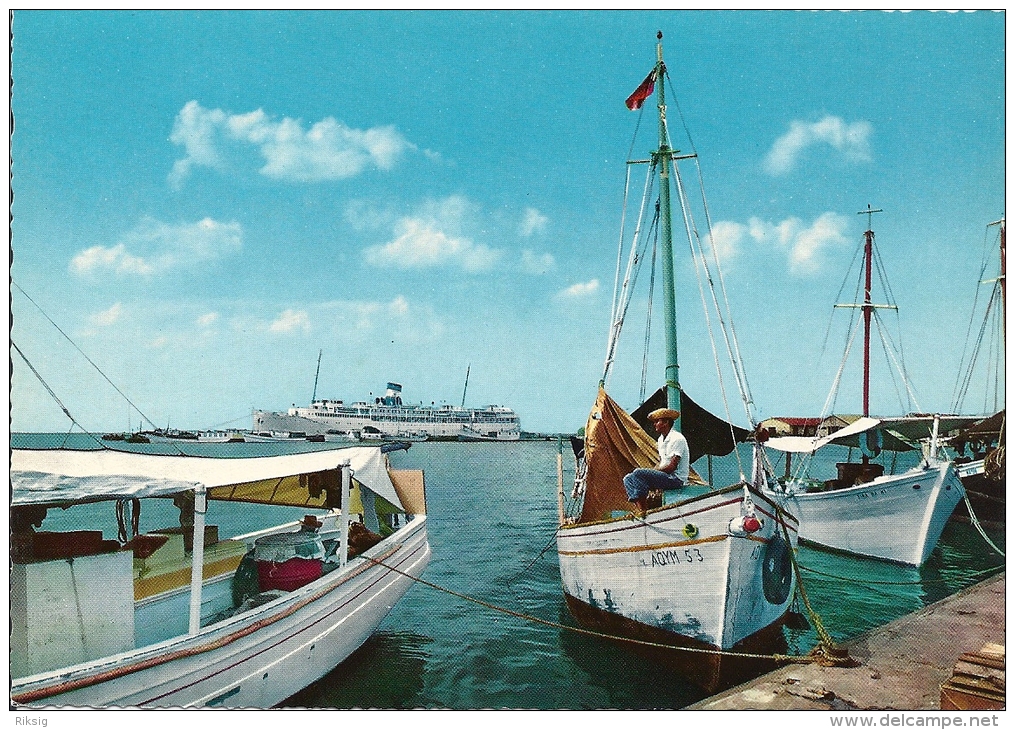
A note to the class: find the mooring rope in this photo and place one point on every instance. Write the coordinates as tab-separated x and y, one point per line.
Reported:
976	573
827	652
788	658
979	527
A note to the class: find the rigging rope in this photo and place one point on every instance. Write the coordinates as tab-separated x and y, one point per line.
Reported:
52	394
923	581
736	359
829	405
616	275
622	298
587	632
90	361
708	319
889	353
648	320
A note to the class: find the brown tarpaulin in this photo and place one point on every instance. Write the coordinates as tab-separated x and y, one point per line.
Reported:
614	446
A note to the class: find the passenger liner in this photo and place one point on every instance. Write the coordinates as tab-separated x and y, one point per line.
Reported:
388	417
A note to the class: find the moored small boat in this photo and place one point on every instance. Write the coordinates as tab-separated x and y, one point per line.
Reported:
177	617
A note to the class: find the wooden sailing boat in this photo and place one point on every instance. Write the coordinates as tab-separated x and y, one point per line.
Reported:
981	447
896	517
709	571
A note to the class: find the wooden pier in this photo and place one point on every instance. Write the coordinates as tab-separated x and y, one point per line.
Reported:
901	666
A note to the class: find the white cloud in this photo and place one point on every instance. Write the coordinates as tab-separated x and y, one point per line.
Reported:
398	306
803	243
362	320
108	316
433	238
114	258
726	238
289	320
537	263
327	150
579	290
161	247
532	222
849	139
207	320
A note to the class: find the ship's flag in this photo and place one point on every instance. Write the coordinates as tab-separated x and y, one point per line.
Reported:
635	100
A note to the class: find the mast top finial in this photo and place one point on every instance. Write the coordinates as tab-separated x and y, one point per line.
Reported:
659	35
869	212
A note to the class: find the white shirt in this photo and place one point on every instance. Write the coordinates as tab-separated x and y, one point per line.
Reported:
674	444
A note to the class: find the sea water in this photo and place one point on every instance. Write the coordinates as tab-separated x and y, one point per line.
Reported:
492	512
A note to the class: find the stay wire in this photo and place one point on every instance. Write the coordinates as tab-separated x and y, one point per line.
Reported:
550	542
923	581
53	395
648	320
736	361
90	361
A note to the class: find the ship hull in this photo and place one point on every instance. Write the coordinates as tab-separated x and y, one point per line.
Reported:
378	423
712	671
257	659
897	518
684	574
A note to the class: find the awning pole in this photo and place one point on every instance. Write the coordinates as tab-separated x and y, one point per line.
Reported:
197	565
343	551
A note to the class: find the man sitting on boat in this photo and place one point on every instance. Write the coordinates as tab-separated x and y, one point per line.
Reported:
674	462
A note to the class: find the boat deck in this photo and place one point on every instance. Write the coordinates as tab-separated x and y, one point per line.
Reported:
902	665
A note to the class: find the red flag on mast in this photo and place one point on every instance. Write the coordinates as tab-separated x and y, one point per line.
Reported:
635	100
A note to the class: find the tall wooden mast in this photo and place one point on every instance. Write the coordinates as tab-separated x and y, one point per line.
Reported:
663	158
868	306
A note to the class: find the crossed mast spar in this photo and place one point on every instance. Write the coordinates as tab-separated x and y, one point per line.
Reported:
867	306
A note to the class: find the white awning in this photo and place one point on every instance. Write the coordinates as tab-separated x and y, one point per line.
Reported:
908	430
51	476
810	444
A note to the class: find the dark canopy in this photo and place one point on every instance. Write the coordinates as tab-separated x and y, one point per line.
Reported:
705	433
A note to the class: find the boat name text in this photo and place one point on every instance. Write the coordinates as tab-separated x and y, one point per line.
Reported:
672	557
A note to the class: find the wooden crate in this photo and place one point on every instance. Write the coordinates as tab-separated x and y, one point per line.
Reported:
977	681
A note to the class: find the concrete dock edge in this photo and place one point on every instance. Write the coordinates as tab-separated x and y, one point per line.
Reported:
901	665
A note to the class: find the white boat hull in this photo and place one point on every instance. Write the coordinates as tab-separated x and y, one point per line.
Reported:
255	659
898	517
682	570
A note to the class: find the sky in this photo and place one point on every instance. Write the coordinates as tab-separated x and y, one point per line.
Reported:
206	202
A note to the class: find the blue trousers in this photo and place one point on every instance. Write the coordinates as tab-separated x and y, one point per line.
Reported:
638	483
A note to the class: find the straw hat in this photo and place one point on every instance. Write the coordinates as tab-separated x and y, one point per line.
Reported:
664	414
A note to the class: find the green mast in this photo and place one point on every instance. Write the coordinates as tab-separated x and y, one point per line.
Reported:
663	158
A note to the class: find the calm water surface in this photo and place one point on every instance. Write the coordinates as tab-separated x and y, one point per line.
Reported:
492	510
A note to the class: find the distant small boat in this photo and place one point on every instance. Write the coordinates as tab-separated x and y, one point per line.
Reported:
470	434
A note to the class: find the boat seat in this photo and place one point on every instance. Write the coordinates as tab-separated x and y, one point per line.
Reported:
169	566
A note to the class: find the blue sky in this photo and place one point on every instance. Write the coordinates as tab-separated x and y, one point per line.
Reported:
203	201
